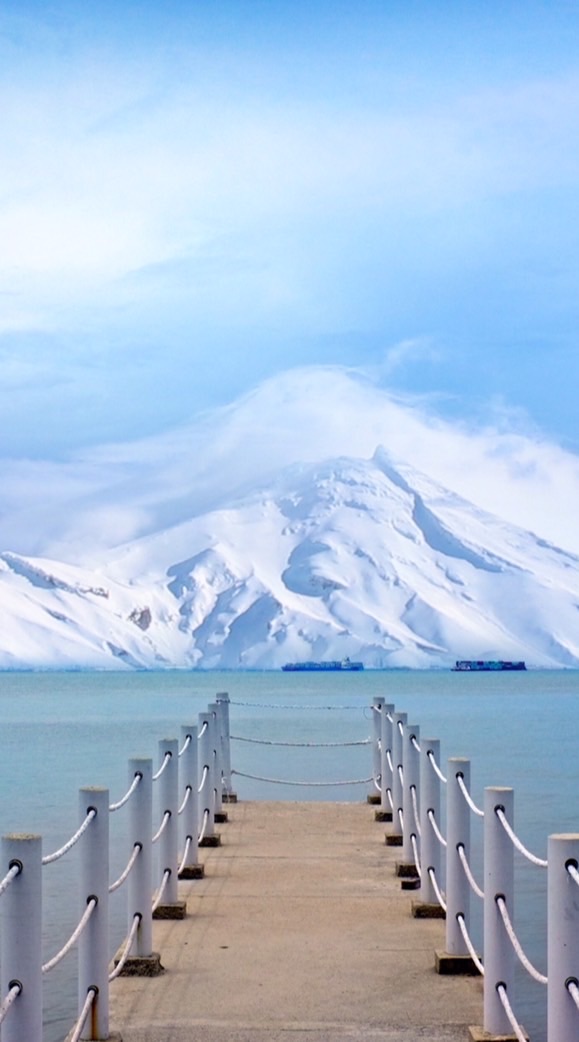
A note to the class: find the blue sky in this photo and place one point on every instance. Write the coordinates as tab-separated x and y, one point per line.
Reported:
195	196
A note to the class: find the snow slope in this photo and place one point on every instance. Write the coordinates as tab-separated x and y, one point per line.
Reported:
347	557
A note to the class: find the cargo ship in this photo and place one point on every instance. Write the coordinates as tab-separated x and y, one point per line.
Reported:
338	665
486	666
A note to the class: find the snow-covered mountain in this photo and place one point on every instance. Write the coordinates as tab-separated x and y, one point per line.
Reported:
348	557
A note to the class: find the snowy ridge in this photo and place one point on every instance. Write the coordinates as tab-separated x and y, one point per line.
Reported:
354	557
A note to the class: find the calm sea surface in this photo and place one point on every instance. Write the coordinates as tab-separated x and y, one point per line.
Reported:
61	731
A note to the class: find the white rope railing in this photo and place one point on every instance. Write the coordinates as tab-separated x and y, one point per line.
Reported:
390	800
11	874
71	842
435	767
415	742
415	809
204	775
467	940
127	949
204	825
436	829
401	773
468	871
188	843
400	727
439	894
202	729
542	862
273	705
126	871
473	806
301	745
389	759
502	993
9	1000
91	905
162	826
162	888
186	744
531	970
416	855
77	1029
401	819
186	798
163	766
117	806
307	784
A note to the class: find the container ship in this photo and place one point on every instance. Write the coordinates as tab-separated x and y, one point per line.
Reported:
343	665
486	666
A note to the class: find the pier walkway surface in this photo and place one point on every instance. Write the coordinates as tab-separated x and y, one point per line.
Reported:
299	928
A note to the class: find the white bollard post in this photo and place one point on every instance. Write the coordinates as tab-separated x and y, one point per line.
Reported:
430	851
206	764
191	868
220	814
377	707
562	937
140	881
93	946
168	803
223	704
385	771
21	908
411	760
499	959
457	832
395	837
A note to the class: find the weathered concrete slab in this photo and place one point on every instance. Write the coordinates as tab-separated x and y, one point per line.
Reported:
299	926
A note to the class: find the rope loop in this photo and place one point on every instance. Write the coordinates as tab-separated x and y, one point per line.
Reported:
468	871
531	970
186	798
186	744
435	766
439	894
188	843
168	755
91	813
572	870
13	993
91	905
161	890
500	813
127	949
162	826
435	827
467	940
476	810
136	780
91	995
125	873
415	809
301	745
14	870
502	993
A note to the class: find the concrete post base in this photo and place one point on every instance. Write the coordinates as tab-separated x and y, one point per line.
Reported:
477	1034
382	815
220	816
427	910
176	910
141	966
229	797
192	872
406	870
455	965
393	840
210	841
373	798
113	1036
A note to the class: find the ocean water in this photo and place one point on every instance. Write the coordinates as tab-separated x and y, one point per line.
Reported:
61	731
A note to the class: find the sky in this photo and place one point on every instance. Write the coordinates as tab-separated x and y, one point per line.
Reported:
197	196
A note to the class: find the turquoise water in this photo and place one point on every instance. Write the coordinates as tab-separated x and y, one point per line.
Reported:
61	731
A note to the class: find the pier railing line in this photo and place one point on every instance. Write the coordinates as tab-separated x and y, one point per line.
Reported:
191	782
411	781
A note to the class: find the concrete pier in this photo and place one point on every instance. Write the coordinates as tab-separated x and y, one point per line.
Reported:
299	928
